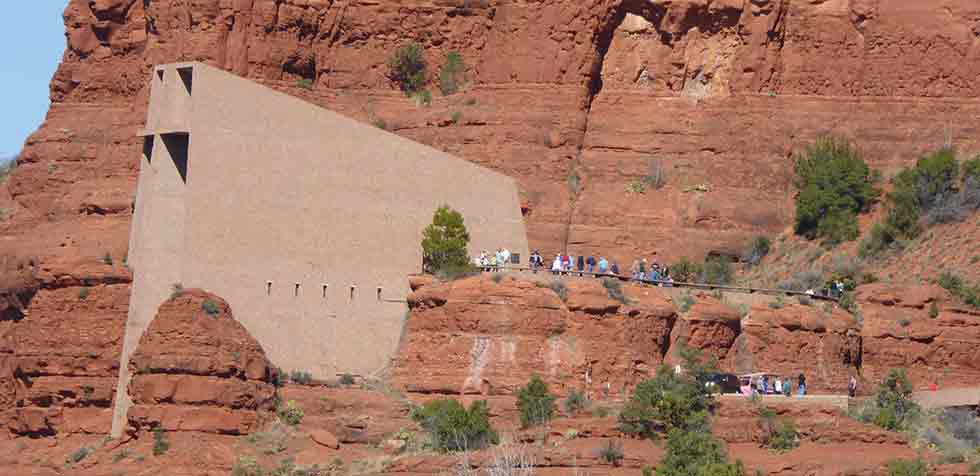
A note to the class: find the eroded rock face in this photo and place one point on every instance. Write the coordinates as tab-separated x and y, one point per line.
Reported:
900	332
479	336
198	369
720	92
824	344
60	338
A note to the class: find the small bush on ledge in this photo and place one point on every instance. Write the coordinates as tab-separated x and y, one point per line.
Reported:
211	307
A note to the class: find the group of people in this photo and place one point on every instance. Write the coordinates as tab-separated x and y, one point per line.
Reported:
784	386
568	264
492	261
775	386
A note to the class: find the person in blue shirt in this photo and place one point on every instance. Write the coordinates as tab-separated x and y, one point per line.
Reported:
603	265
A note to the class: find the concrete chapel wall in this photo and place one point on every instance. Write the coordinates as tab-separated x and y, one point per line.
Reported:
297	216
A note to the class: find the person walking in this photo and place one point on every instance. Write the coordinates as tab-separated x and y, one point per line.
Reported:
802	385
581	263
643	269
787	386
852	387
556	265
778	386
591	263
635	269
615	269
603	265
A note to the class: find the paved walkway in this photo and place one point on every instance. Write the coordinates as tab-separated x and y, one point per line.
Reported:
951	397
709	287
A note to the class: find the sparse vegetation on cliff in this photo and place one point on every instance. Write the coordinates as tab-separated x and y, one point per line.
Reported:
160	442
451	74
290	413
535	403
960	288
778	434
757	250
453	427
407	67
576	401
907	467
933	191
211	307
835	185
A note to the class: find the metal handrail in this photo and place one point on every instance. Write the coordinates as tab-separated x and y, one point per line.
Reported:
676	284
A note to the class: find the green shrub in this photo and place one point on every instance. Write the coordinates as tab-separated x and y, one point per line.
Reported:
835	184
848	303
576	402
560	289
451	74
959	287
535	402
779	303
305	83
211	307
778	434
107	258
444	241
347	380
685	271
647	471
757	250
176	290
614	288
301	377
380	123
696	453
457	117
636	187
290	413
83	293
670	400
893	404
407	67
907	467
933	310
422	98
453	427
81	454
717	270
247	465
160	442
686	301
612	452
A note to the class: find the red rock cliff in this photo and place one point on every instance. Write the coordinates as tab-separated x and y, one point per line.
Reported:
720	92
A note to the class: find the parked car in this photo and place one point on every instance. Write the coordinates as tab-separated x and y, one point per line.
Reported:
724	383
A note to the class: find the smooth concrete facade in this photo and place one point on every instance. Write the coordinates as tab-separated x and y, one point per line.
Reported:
307	222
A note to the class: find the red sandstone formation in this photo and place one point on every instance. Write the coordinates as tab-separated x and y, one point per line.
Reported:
826	346
199	371
900	332
477	335
59	355
709	325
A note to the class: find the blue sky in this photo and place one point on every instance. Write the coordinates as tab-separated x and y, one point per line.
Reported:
33	35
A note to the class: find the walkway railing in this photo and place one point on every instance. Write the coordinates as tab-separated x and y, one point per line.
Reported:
676	284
